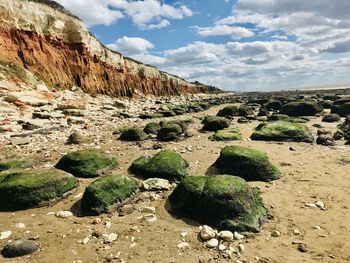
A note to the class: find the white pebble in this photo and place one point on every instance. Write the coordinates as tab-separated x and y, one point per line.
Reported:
238	236
64	214
212	243
226	235
183	245
5	234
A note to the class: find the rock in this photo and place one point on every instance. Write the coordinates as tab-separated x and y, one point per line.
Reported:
148	209
64	214
238	236
247	163
282	131
245	110
19	248
332	117
344	109
214	123
296	232
13	164
20	226
228	134
72	104
320	204
212	243
5	234
302	248
76	138
183	245
20	140
133	134
165	164
279	117
28	188
222	247
109	238
151	218
275	233
326	140
152	128
228	111
207	233
85	240
213	200
301	108
274	105
241	248
76	112
227	235
86	163
107	191
169	132
156	184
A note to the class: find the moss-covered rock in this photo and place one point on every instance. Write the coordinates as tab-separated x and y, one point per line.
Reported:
337	104
152	128
243	120
282	131
228	111
76	138
86	163
13	164
215	123
169	132
222	201
166	164
245	110
301	108
182	123
133	134
146	116
29	188
228	134
332	117
106	191
246	163
344	110
274	105
279	117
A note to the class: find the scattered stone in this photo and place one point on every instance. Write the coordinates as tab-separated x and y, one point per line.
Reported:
19	248
238	236
207	233
302	248
226	235
64	214
320	204
148	209
212	243
275	233
151	218
222	247
296	232
5	234
85	240
20	226
156	184
241	248
183	245
109	238
20	140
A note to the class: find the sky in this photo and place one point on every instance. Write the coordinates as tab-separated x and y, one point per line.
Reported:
243	45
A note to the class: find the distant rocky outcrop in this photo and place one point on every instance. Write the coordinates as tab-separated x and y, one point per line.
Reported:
57	47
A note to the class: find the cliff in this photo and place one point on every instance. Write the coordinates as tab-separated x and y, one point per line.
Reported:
58	48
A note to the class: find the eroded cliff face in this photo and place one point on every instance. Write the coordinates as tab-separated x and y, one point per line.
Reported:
59	49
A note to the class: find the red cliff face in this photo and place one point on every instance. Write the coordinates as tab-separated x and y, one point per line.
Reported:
62	64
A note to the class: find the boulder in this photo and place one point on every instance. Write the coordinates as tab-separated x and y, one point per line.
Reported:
228	134
336	104
169	132
282	131
279	117
76	138
152	128
247	163
133	134
223	201
106	191
86	163
245	110
344	110
228	111
29	188
332	117
19	248
214	123
301	108
165	164
274	105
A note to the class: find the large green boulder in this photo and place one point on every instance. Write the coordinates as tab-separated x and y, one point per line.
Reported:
86	163
215	123
28	188
245	110
223	201
282	131
247	163
106	191
228	134
152	128
338	103
165	164
169	132
344	110
133	134
274	105
301	108
228	111
13	164
278	117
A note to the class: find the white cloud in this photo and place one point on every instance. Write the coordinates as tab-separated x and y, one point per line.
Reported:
146	14
222	30
129	46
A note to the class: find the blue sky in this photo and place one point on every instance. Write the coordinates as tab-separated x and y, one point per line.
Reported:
232	44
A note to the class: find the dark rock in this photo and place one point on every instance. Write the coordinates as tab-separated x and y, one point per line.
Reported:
19	248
